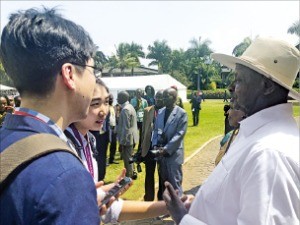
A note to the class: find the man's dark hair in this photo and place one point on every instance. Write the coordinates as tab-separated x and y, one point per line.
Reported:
139	90
173	92
123	95
17	100
36	43
111	99
226	108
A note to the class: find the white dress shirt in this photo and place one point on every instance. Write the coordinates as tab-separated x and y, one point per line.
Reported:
258	179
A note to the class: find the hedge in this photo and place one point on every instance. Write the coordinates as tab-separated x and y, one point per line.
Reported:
210	94
216	94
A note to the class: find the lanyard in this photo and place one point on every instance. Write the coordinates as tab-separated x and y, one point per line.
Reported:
20	113
44	119
86	150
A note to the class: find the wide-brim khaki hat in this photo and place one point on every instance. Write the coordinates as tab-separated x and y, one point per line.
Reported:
273	58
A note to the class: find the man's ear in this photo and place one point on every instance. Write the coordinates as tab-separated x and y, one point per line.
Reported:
269	86
68	72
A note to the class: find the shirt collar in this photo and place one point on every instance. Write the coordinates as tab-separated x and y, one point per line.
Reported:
125	103
259	119
46	120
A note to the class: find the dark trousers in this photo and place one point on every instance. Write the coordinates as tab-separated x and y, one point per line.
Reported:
171	172
113	146
228	128
102	141
196	113
140	127
150	165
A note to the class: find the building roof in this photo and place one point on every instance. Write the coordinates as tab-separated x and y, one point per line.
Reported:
161	81
138	71
7	90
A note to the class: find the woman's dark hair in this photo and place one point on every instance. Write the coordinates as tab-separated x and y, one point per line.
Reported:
100	82
6	97
151	89
36	43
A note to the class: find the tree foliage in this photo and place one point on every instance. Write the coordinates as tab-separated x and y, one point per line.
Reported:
294	28
160	52
188	66
127	56
199	48
134	52
4	79
241	47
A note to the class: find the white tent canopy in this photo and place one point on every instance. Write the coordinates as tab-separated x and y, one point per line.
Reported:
159	82
7	90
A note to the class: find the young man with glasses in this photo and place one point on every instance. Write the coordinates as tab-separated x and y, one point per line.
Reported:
97	71
50	62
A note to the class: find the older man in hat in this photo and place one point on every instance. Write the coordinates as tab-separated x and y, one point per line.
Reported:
258	179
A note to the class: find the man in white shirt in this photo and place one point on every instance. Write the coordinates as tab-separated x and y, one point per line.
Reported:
258	179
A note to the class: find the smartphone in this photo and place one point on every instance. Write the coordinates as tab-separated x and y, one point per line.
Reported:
115	190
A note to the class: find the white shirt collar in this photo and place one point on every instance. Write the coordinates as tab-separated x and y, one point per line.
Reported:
259	119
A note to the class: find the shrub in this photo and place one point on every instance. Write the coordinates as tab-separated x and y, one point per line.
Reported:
213	85
209	94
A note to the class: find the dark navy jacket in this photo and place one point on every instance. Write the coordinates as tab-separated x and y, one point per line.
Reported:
54	189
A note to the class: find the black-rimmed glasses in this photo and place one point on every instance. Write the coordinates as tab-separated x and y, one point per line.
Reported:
97	70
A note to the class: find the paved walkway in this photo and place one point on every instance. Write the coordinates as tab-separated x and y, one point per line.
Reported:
196	169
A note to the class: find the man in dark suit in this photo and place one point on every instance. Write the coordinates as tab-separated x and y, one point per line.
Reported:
170	128
150	114
196	107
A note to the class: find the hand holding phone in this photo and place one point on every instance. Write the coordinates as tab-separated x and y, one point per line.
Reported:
115	190
9	109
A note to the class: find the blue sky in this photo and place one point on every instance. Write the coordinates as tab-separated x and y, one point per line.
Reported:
224	23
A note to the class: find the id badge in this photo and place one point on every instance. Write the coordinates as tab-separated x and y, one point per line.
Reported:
140	114
159	131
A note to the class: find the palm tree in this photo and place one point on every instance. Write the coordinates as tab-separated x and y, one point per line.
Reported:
112	64
199	48
196	66
295	28
161	53
177	59
127	56
135	51
122	55
241	47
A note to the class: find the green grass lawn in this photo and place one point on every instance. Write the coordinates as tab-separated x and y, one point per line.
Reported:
296	108
211	125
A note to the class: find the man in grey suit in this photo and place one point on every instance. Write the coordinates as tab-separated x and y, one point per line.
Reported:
170	128
127	131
